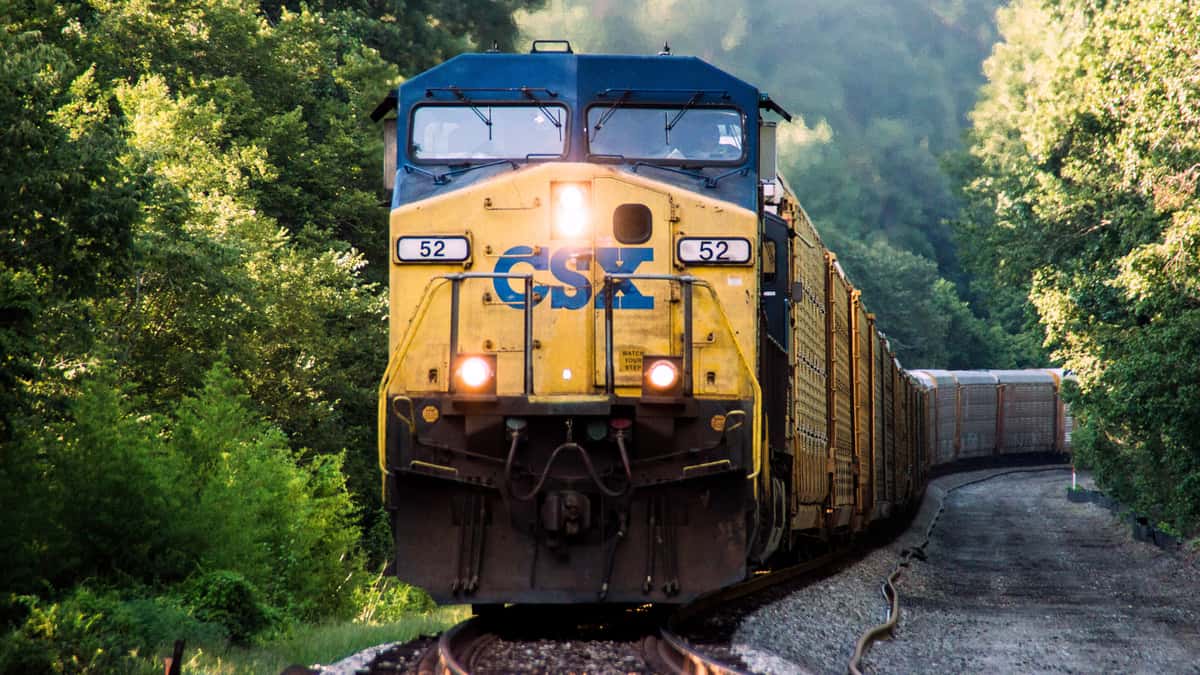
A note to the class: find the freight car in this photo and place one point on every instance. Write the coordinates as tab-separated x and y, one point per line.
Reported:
622	365
986	414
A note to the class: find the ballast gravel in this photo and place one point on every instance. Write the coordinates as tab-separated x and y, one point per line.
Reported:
599	657
1017	579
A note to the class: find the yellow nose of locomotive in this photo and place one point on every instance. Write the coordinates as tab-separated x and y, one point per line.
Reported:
551	237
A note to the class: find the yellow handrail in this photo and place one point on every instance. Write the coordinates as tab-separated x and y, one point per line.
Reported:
394	364
756	423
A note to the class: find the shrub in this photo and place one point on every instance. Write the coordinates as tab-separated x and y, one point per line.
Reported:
284	523
91	631
387	600
228	599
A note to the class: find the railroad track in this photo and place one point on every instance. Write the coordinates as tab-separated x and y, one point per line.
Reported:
657	639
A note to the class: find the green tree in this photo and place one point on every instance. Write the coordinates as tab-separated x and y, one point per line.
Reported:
1083	193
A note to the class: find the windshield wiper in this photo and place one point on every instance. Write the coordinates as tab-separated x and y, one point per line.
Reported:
443	178
555	120
486	119
609	113
679	115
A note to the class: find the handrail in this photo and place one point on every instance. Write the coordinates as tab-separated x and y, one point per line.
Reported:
756	423
393	364
418	317
687	281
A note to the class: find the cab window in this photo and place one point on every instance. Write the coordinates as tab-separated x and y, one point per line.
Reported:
456	133
687	135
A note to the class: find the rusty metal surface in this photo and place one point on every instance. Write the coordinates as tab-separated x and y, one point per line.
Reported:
978	402
1031	416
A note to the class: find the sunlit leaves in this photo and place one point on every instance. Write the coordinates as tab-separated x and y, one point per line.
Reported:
1084	192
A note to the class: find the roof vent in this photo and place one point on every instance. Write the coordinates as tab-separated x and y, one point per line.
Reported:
666	50
495	47
556	47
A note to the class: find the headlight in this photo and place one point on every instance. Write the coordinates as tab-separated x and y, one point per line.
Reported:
572	210
662	376
476	374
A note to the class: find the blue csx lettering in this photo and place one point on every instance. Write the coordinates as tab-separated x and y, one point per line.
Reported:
578	288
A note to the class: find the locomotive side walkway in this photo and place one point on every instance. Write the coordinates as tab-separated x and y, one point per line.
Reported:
1017	579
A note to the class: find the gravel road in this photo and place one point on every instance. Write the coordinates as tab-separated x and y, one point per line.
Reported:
1017	579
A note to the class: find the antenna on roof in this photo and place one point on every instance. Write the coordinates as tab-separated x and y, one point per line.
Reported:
495	47
666	50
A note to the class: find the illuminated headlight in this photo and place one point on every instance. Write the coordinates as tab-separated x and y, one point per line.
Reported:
572	210
476	374
662	376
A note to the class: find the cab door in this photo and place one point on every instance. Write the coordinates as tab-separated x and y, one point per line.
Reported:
633	234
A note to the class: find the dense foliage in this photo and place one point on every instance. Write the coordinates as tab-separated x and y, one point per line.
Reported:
1082	197
881	88
191	319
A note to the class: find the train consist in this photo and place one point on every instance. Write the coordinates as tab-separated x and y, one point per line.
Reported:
622	365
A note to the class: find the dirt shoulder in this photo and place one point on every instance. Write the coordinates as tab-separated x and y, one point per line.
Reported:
1018	579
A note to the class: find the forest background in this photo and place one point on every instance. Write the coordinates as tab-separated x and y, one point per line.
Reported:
192	302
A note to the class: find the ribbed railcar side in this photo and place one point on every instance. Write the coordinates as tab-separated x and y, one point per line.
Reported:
946	416
1029	414
838	322
879	441
926	385
977	411
903	463
889	422
810	412
863	424
929	428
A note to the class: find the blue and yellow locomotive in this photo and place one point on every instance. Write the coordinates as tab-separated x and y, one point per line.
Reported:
622	365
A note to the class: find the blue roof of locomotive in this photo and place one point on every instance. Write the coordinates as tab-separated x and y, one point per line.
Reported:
577	81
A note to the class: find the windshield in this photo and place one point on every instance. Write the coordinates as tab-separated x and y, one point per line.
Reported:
676	133
454	133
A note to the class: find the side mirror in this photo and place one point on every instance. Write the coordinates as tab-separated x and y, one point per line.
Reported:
766	152
389	154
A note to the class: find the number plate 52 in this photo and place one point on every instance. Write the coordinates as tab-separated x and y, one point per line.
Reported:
713	251
433	249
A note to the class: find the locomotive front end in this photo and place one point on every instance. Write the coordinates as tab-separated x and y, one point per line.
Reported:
570	411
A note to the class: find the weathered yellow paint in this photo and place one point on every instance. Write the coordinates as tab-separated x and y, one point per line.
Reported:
515	209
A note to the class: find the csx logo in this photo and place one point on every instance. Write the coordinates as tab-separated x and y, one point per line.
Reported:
578	287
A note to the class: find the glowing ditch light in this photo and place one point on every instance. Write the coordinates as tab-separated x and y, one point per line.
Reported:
662	375
662	378
571	210
476	374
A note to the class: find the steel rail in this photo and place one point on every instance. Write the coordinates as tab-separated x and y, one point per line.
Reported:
458	647
676	655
